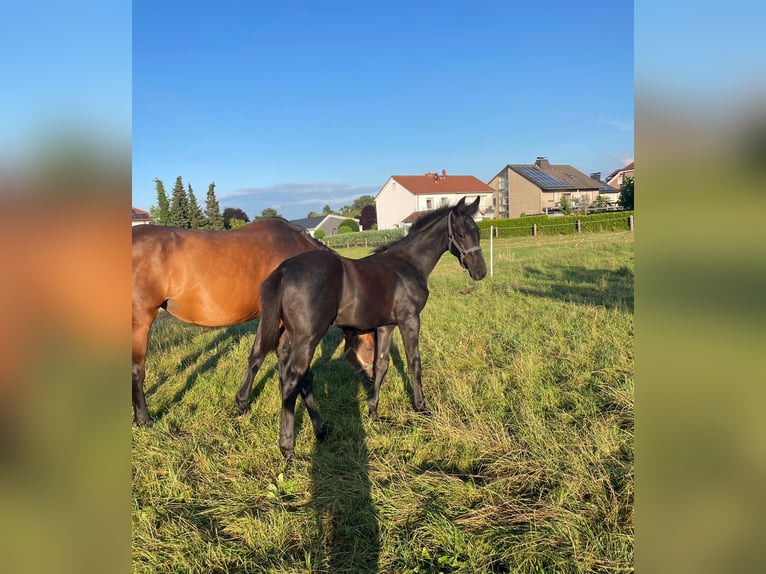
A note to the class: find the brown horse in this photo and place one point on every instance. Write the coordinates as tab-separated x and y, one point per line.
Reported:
213	279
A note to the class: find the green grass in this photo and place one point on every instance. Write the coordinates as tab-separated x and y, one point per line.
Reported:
525	465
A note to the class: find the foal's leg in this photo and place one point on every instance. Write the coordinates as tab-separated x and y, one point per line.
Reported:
142	323
307	393
410	330
383	354
294	362
254	362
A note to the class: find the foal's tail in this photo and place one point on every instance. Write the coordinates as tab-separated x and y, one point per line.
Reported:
271	311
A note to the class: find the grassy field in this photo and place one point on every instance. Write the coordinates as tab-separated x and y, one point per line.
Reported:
525	464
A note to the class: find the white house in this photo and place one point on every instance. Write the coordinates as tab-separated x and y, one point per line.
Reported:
404	197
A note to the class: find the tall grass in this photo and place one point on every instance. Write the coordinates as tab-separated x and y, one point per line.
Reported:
525	464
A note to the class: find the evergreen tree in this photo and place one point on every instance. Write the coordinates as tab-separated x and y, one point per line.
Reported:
179	205
161	213
196	217
214	219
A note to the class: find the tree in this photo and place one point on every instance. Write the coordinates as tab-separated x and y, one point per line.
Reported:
326	210
626	194
196	218
179	206
368	217
565	205
160	213
233	213
350	223
360	203
213	210
235	223
319	234
313	214
268	212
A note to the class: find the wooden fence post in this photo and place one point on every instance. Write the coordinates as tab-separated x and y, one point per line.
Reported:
579	229
534	230
630	222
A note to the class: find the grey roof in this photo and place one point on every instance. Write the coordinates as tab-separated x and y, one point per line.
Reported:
559	176
539	177
308	222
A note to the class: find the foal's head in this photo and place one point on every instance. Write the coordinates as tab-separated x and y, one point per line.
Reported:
464	238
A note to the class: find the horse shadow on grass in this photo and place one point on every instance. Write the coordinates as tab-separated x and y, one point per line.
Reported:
222	340
610	288
341	500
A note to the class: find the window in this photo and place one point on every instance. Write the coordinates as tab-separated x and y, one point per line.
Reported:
445	201
429	203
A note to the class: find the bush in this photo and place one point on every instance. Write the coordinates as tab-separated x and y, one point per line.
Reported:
350	223
364	238
319	234
344	229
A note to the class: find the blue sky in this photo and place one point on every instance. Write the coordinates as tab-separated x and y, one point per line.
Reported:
301	104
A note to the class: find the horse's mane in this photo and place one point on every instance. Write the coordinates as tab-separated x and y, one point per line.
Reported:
420	224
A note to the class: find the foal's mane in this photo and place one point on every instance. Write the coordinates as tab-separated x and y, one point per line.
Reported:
422	223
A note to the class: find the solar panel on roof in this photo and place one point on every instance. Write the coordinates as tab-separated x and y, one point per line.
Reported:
540	178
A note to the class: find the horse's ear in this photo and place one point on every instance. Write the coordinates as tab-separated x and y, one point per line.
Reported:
462	209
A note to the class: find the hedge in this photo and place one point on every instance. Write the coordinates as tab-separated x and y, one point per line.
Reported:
370	238
563	225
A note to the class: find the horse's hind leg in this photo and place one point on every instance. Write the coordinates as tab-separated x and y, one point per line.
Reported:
142	323
257	356
307	393
294	361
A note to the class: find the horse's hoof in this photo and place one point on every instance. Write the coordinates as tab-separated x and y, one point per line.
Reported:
242	408
144	421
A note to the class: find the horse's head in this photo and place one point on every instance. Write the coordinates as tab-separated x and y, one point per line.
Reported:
464	238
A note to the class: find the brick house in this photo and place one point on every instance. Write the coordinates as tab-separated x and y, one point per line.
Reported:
534	189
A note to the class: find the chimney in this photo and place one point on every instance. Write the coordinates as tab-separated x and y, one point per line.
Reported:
596	175
542	162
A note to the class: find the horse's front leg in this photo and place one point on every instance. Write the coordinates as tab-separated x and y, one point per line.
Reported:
382	357
142	323
410	330
141	414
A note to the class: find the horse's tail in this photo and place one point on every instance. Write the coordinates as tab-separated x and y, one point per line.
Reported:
271	311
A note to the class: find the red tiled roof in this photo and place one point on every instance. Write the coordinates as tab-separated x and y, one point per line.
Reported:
414	216
435	184
628	167
140	214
